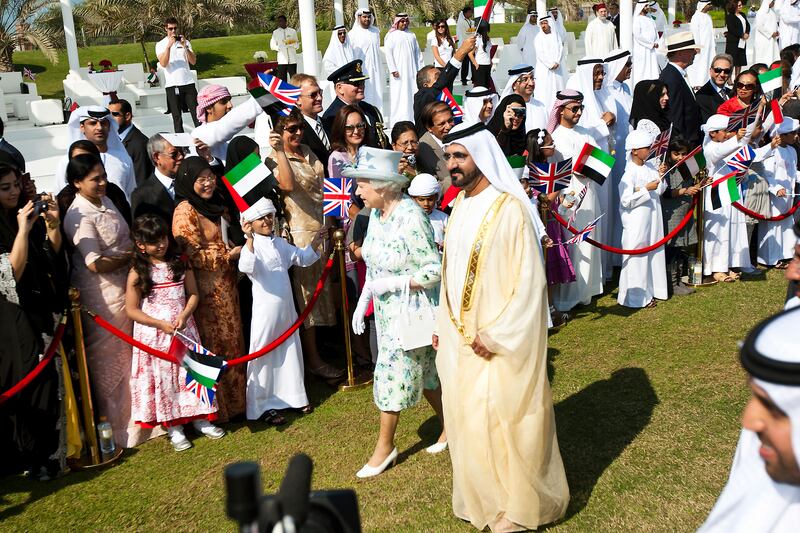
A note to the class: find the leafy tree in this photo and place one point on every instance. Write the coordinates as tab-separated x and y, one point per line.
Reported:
18	25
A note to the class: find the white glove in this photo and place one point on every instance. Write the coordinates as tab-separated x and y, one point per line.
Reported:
361	309
391	284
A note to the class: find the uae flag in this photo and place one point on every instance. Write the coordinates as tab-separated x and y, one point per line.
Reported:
771	80
483	9
247	181
725	191
593	163
693	163
517	163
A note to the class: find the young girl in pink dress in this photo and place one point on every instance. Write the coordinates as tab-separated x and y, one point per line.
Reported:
160	298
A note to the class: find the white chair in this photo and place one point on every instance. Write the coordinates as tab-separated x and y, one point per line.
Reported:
11	85
236	85
133	73
45	112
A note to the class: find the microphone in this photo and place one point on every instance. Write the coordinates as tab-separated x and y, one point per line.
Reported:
294	491
243	486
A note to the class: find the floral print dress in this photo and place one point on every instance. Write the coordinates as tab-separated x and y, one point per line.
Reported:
402	245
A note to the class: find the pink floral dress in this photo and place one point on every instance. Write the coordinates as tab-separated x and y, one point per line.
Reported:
158	387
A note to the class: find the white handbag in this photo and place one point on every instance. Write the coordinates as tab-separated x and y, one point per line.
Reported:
416	326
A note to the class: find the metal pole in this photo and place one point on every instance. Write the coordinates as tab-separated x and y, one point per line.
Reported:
69	36
626	25
89	428
352	381
338	12
308	32
699	251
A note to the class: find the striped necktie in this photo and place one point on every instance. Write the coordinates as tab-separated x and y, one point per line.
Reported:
321	134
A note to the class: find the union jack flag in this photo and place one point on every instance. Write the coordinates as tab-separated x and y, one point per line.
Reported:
740	161
583	234
550	177
28	73
661	144
336	196
269	90
447	97
743	118
203	393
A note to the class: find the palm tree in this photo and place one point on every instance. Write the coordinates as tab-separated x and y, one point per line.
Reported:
140	19
18	26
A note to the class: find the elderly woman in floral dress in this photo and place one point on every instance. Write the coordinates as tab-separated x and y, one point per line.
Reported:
401	257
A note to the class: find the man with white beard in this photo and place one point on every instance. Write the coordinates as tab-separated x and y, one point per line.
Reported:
403	60
365	38
526	36
601	36
549	68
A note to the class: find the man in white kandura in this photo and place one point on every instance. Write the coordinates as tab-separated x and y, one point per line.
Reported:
525	38
521	81
366	41
403	59
340	51
645	43
703	31
492	347
549	68
790	22
767	49
601	35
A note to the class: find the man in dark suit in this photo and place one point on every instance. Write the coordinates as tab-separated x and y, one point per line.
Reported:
714	93
8	148
134	141
348	82
431	81
684	112
437	119
310	104
156	194
613	17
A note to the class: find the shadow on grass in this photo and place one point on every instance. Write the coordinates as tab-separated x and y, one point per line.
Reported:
209	60
39	489
595	426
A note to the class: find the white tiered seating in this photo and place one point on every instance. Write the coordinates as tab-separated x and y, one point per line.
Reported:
11	86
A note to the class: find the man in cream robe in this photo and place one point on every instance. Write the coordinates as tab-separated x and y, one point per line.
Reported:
403	59
365	38
492	347
703	31
601	35
525	37
549	66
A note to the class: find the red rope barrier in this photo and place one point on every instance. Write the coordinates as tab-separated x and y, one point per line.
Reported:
668	237
33	374
758	216
239	360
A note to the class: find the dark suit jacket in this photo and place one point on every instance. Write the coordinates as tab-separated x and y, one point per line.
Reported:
708	100
734	31
430	159
615	21
426	95
150	197
374	118
683	109
15	154
316	145
135	144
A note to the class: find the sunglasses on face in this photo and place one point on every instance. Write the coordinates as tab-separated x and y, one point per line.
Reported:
353	127
116	114
575	108
294	128
172	28
518	111
314	95
178	153
746	86
359	83
718	70
441	26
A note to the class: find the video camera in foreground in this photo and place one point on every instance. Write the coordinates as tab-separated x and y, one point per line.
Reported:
294	508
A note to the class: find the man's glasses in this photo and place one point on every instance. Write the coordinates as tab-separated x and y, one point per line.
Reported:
460	157
359	83
341	34
314	95
353	127
406	144
172	28
574	108
116	114
176	154
746	86
718	70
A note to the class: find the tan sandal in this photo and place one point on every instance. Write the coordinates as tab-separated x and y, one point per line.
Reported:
723	277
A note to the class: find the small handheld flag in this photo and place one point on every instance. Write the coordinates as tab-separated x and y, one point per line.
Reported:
28	73
743	117
583	234
593	163
777	112
725	191
203	368
550	177
661	144
740	161
268	90
247	181
336	196
447	97
483	9
771	80
692	164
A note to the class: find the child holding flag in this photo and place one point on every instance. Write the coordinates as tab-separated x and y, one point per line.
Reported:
777	239
642	278
274	381
160	298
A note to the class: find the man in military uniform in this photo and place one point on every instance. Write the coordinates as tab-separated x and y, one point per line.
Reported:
348	83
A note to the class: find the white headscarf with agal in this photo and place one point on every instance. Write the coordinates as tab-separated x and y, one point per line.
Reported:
337	53
514	73
751	500
473	103
593	108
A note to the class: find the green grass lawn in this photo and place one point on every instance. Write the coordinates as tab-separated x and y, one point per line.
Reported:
216	56
647	408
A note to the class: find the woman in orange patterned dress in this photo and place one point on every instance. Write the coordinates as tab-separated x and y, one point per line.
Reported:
197	226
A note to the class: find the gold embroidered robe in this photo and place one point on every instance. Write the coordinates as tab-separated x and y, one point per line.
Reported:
498	413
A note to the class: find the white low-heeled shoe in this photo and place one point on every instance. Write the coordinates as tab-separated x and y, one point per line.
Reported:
372	471
439	447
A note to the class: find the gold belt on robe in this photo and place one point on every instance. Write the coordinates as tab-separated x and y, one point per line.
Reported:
473	266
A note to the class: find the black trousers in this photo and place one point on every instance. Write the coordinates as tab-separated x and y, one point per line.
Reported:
184	100
285	72
481	77
466	65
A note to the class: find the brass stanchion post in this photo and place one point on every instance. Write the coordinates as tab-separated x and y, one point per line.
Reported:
697	280
353	382
87	407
